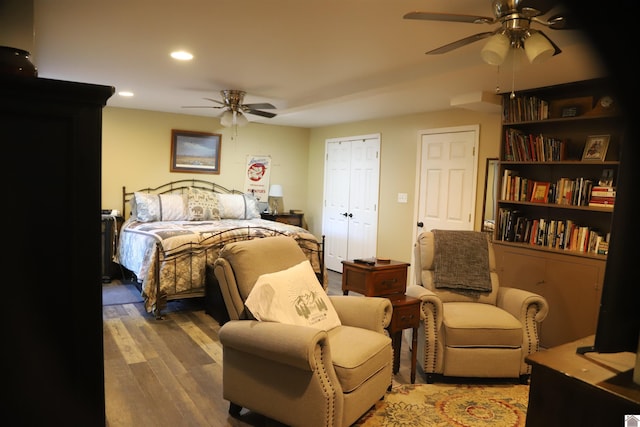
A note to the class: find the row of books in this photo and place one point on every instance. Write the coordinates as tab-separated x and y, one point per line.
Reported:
521	147
525	108
551	233
602	196
565	191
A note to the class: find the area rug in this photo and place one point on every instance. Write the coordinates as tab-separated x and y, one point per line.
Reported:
417	405
113	294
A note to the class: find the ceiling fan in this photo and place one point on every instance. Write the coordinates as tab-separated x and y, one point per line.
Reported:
515	18
235	110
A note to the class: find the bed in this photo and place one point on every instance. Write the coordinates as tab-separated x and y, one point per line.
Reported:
172	232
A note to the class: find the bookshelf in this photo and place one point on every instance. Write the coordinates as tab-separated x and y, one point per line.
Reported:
559	144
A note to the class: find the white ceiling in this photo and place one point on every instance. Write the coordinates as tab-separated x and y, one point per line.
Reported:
320	62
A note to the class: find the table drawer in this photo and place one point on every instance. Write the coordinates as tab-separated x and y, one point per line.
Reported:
389	282
405	317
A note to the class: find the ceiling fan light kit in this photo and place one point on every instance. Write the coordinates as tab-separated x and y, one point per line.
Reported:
234	110
515	18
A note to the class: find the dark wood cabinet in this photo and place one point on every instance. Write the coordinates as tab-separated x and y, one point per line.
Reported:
51	134
571	389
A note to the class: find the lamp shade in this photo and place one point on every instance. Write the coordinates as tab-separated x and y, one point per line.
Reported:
538	48
276	191
496	49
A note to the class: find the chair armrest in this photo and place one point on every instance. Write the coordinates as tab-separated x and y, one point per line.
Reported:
522	304
373	313
292	345
431	307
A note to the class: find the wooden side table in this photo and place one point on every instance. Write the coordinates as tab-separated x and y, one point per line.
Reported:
285	218
406	314
380	279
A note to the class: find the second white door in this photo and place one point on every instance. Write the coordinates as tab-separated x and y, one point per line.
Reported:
447	187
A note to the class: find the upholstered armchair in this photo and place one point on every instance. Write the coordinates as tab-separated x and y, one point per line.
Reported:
480	330
299	375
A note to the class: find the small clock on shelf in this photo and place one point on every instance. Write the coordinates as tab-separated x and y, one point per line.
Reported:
604	105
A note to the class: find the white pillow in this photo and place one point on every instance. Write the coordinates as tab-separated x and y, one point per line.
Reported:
238	206
293	296
160	207
202	205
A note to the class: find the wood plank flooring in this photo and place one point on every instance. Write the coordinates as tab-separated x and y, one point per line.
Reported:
169	372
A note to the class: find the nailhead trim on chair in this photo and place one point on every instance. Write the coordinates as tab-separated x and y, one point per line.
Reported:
430	314
329	391
531	329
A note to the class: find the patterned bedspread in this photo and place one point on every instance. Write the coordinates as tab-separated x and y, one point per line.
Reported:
183	249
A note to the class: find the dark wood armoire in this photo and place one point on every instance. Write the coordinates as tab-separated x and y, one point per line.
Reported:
50	139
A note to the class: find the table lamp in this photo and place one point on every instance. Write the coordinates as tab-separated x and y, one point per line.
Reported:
275	198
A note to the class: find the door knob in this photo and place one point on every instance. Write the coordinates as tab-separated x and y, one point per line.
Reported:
420	224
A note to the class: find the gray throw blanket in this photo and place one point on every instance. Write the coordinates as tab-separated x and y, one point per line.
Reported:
461	260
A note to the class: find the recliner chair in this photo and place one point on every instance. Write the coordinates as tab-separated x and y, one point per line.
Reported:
299	375
471	333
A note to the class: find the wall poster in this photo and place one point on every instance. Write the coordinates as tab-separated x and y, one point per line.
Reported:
257	177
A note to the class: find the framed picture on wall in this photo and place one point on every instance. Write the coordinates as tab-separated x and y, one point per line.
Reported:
195	152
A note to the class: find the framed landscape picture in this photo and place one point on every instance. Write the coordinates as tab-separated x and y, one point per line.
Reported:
195	152
596	147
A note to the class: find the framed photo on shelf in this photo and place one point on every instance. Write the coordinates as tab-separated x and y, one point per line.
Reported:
596	147
195	152
540	193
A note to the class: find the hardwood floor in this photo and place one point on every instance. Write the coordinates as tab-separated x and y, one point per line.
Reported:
169	372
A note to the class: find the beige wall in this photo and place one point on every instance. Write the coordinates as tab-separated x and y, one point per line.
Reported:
136	153
398	170
136	148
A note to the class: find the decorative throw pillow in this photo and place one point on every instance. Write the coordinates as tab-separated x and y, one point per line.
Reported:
160	207
293	296
238	206
202	205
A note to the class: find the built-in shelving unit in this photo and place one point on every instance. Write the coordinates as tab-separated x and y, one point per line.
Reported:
547	237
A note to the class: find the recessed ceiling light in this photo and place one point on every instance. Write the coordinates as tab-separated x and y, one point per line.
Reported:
125	93
181	55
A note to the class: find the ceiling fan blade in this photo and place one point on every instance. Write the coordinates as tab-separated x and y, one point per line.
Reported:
201	106
260	105
555	46
214	100
542	6
562	22
259	113
449	17
462	42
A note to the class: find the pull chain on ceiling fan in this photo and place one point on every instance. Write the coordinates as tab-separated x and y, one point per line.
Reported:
235	111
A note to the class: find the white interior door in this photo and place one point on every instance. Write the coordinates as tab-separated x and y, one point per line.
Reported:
350	214
447	186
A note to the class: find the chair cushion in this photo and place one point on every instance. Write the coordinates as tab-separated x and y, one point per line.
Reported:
479	325
293	296
358	354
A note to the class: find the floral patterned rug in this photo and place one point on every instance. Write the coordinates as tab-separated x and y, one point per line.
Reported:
417	405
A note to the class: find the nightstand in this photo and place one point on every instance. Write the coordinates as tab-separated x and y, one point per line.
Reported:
406	314
286	218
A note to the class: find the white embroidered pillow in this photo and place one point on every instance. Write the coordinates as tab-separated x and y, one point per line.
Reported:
202	205
160	207
293	296
238	206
